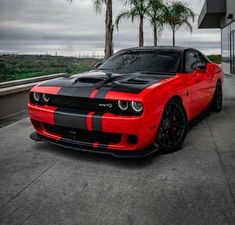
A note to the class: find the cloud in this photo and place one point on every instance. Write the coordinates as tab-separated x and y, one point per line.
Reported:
47	26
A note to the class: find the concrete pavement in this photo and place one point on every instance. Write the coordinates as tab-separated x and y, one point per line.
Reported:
43	184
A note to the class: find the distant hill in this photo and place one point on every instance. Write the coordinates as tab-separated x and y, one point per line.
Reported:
15	67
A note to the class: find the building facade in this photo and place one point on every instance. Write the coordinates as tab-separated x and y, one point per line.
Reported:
221	14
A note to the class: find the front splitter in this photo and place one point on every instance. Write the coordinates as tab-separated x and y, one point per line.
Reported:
71	145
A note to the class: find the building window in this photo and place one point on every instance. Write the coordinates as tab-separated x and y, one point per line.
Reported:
225	37
232	47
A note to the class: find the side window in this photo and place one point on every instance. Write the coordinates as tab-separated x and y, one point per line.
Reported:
201	59
191	61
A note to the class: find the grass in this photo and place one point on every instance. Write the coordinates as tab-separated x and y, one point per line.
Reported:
15	67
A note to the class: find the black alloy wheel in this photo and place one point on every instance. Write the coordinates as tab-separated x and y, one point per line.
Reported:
173	128
217	103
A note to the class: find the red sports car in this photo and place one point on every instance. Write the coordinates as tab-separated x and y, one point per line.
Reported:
137	102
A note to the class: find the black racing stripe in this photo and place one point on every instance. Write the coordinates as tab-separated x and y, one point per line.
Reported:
97	121
102	92
70	118
83	92
137	84
129	89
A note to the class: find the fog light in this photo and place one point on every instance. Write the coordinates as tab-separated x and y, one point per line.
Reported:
123	105
132	139
137	106
36	96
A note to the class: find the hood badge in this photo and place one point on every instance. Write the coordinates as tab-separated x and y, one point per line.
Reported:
106	105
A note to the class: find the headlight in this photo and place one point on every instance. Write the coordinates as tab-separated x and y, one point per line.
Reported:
46	98
123	105
137	106
36	96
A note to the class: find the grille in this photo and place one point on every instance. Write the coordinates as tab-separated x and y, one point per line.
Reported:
84	104
87	104
84	135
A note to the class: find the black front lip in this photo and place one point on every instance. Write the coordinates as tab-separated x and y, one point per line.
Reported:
119	154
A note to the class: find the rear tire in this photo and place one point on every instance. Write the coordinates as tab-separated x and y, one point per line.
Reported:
173	127
217	103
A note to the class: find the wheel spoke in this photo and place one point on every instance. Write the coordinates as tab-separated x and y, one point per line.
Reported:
172	126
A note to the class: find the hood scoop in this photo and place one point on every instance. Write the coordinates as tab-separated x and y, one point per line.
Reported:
90	80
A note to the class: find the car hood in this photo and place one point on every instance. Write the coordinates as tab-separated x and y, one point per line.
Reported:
83	84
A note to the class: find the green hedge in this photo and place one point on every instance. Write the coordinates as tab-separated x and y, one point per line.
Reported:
215	58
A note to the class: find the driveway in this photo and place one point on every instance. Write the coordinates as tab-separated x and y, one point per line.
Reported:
46	185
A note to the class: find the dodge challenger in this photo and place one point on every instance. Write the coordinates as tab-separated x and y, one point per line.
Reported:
137	102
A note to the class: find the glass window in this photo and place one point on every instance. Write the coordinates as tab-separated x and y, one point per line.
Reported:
233	26
225	37
191	61
156	61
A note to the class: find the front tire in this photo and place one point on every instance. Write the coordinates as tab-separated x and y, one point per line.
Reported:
217	103
173	127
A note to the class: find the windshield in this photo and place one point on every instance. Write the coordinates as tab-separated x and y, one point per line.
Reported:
156	61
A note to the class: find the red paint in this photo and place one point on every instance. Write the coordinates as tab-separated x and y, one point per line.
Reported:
94	93
44	114
194	89
95	145
47	90
89	120
41	130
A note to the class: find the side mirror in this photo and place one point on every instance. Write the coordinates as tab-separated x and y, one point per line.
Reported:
97	65
201	67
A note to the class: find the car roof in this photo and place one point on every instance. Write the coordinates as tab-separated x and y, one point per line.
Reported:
176	48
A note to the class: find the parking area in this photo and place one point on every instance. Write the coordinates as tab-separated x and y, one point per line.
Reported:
43	184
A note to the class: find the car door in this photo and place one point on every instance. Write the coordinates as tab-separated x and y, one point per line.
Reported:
199	90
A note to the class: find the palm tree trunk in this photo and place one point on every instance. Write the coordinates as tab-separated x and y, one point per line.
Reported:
109	30
155	34
173	38
141	31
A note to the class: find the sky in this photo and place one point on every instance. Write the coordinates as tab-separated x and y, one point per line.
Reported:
57	27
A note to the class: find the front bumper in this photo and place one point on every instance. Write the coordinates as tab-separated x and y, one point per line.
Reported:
142	129
86	148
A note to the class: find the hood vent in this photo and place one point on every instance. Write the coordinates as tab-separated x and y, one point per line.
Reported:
90	80
139	80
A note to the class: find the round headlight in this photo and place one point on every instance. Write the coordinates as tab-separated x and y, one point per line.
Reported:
137	106
123	105
46	98
36	96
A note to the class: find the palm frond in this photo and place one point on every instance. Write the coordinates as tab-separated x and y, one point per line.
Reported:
126	14
97	4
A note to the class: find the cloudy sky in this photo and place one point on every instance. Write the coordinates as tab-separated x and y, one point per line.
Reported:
50	26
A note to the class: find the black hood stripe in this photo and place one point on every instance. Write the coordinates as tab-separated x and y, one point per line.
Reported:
78	87
102	93
78	91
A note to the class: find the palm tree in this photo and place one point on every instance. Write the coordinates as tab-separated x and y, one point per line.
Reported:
155	15
178	14
138	9
108	24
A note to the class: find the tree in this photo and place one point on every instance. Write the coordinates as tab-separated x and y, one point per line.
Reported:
155	15
108	24
178	14
137	9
